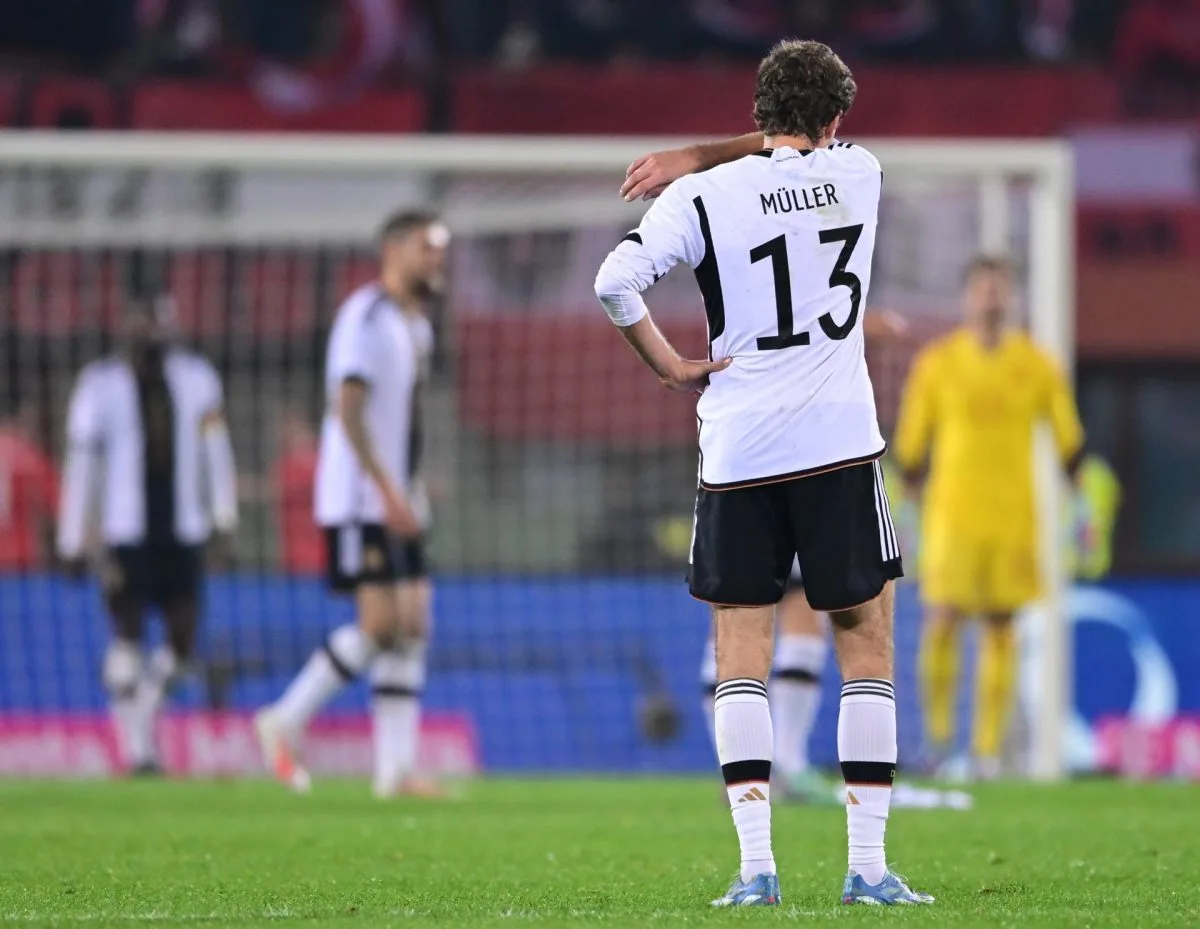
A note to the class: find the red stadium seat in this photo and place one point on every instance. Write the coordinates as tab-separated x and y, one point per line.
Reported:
351	272
692	100
198	283
57	292
169	105
695	100
272	293
538	382
281	293
10	89
73	103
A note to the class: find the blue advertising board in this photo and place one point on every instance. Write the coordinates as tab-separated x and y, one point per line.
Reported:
554	671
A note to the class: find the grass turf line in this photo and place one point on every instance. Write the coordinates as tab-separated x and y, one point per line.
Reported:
573	853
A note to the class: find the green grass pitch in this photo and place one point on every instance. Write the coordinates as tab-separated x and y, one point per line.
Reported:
611	853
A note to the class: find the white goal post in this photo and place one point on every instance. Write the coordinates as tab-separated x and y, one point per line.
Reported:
328	188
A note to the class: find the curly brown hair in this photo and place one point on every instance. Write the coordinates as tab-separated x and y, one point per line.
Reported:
802	87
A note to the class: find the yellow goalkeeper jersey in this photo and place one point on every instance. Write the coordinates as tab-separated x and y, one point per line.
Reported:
972	412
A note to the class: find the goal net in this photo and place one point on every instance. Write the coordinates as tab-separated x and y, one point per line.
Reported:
562	475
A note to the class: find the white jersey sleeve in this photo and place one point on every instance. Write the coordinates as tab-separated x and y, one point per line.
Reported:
85	438
218	449
668	235
84	413
350	356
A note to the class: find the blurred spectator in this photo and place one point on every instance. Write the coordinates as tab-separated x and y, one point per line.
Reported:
1158	52
28	493
741	28
302	55
303	547
897	29
72	35
307	54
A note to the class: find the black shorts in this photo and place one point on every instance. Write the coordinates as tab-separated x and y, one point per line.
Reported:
366	553
837	524
152	575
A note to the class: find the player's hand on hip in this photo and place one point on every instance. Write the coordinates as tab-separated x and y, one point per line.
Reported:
692	376
399	516
649	176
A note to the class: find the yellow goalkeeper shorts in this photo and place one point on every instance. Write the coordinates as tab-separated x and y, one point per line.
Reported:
978	576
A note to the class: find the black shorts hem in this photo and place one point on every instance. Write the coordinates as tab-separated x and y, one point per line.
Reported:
891	570
356	554
361	554
794	475
733	606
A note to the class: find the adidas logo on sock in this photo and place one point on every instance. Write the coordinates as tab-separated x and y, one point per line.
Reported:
752	794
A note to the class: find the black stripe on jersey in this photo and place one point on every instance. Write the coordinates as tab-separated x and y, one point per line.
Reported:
381	298
708	278
768	152
807	472
634	236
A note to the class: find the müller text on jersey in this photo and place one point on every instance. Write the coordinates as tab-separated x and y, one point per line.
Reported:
787	199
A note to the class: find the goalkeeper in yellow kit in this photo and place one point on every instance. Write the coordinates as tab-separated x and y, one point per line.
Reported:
969	411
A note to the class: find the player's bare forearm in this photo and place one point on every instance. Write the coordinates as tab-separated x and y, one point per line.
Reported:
650	175
652	347
672	369
352	404
711	154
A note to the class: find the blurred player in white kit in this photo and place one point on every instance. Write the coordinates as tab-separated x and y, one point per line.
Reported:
146	425
370	504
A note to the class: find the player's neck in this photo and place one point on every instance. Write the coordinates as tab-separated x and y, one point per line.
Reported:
800	143
989	337
404	295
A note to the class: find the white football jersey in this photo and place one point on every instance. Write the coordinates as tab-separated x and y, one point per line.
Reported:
370	342
104	432
781	243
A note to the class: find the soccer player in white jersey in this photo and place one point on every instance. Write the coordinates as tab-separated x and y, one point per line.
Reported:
781	243
367	504
146	433
802	632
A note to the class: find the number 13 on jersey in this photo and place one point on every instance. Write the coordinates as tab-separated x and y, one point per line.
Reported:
776	250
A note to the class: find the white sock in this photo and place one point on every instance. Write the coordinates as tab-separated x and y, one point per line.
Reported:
795	697
344	656
867	750
148	699
397	677
743	726
708	688
122	671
